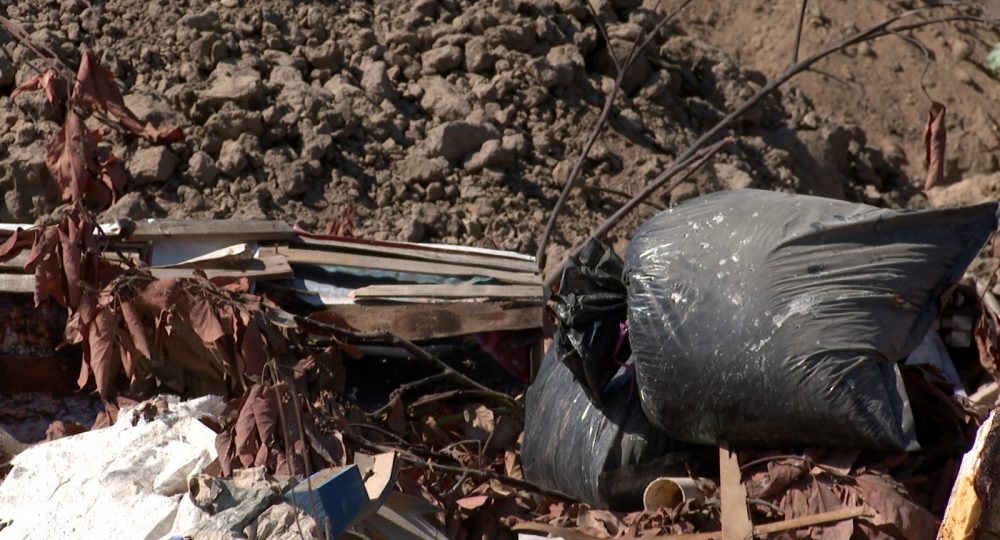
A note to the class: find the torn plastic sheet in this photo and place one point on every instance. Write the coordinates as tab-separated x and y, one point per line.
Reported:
124	481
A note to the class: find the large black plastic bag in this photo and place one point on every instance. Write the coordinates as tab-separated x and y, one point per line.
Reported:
770	319
569	441
591	305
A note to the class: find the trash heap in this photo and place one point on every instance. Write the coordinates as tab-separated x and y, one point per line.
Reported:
757	364
802	336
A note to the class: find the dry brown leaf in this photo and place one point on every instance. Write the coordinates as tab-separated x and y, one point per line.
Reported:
245	437
96	89
986	337
473	502
17	242
137	330
47	81
897	515
204	321
100	345
935	141
70	156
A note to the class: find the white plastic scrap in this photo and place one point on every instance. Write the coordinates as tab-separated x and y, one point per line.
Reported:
123	481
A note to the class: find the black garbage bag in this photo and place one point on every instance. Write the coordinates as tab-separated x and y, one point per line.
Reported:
573	446
591	306
772	319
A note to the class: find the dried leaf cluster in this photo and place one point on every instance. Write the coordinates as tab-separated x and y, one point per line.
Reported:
83	167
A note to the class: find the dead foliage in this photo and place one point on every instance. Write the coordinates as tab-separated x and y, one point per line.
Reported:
83	168
935	141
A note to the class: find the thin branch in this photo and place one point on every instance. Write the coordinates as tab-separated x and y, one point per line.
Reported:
798	32
571	180
604	34
620	193
881	29
688	167
412	458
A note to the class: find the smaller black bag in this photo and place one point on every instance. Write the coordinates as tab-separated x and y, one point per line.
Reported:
591	306
574	447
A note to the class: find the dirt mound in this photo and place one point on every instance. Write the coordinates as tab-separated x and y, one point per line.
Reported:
875	85
438	120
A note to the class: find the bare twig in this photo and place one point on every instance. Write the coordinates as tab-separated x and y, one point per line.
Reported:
620	193
879	30
604	34
637	47
798	32
412	458
689	167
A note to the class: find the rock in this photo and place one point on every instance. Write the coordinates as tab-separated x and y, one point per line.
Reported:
443	100
574	8
151	108
453	140
284	75
131	205
420	169
625	4
427	8
435	191
152	165
203	22
442	59
560	67
519	38
491	154
326	56
732	176
229	3
292	179
410	230
232	159
516	143
636	75
375	81
231	84
230	123
202	168
478	57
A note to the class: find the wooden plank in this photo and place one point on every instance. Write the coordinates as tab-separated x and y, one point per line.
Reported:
236	228
736	524
449	291
470	259
964	515
822	518
431	321
17	263
266	268
17	283
397	265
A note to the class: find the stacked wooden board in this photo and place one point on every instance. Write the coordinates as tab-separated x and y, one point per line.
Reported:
419	291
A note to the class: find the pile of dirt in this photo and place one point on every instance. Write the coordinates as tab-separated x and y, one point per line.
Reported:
426	120
876	85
